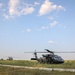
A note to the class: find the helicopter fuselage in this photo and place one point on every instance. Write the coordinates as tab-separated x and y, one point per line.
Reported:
49	58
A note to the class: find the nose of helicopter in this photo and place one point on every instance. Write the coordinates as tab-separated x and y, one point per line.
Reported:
58	60
62	61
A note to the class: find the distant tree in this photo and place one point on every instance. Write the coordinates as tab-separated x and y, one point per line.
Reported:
2	59
10	58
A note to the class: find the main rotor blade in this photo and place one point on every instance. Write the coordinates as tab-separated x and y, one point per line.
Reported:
59	52
36	52
49	51
28	52
66	52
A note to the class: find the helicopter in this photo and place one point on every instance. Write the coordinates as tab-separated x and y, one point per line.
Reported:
49	58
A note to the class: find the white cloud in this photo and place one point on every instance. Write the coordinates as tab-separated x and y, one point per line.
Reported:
36	3
64	27
6	16
61	8
44	27
27	10
17	8
1	5
51	42
53	24
50	17
28	30
47	7
13	7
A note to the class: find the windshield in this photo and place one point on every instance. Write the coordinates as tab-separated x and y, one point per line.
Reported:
57	57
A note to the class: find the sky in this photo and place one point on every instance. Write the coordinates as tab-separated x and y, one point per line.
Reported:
26	25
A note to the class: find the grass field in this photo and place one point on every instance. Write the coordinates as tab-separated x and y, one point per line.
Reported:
20	71
67	64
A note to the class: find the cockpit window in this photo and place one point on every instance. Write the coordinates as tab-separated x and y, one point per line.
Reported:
57	57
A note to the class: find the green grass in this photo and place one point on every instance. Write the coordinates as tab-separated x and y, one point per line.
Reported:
20	71
67	64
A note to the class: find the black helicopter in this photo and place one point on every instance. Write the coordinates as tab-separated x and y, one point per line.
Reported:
50	58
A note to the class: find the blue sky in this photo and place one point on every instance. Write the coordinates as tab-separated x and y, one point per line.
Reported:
26	25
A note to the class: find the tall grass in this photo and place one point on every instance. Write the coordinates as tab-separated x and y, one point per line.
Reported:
67	64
